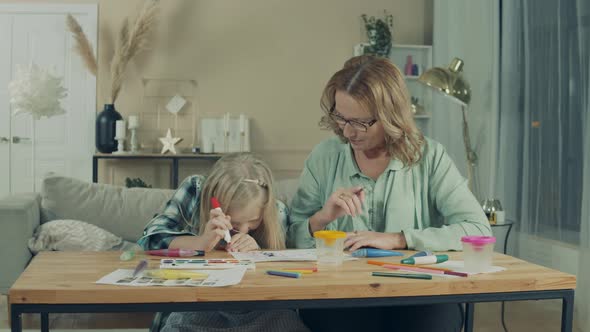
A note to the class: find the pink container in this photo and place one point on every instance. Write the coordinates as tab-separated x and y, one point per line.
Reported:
477	252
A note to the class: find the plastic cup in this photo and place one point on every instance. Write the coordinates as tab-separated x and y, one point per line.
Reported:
329	247
477	252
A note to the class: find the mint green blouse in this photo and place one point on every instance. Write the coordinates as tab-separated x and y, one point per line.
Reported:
429	202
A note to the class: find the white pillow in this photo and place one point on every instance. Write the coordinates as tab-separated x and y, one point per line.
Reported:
72	235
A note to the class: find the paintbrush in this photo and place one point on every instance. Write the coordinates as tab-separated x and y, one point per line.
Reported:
142	265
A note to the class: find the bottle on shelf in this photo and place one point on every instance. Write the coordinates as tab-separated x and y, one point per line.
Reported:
408	68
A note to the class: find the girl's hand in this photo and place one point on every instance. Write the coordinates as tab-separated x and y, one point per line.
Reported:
377	240
215	229
242	242
344	201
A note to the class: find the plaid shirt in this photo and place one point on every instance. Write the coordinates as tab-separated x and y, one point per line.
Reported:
181	215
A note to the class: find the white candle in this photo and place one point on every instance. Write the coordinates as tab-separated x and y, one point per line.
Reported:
226	123
120	130
242	123
133	122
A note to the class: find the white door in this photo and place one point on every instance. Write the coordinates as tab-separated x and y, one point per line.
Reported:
63	144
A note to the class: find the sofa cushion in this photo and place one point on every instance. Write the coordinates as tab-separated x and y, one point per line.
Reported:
285	189
119	210
72	235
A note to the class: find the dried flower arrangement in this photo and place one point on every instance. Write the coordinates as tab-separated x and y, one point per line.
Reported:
133	39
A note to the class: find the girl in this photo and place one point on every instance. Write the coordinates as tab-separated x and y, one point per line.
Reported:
243	185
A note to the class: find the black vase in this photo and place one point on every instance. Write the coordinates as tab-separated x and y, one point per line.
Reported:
105	129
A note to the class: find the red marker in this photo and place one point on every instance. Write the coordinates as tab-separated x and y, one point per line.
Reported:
216	206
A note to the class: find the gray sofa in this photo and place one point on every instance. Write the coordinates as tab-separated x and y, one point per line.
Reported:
119	210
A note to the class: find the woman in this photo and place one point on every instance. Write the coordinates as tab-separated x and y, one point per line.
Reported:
380	179
243	186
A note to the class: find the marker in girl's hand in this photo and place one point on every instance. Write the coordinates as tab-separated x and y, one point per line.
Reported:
216	206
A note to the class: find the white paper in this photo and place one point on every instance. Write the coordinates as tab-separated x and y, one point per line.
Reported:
459	266
215	278
291	255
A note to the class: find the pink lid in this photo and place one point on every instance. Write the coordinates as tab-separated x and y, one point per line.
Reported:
479	240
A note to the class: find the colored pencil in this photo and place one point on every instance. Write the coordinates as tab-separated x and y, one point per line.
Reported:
408	265
402	275
298	271
313	269
409	268
458	274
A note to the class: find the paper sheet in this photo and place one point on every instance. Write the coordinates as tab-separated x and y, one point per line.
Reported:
215	278
277	256
290	255
459	266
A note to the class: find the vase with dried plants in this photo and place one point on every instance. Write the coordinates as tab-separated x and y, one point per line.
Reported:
133	38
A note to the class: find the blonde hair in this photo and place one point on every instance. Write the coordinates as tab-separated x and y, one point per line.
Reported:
378	85
231	182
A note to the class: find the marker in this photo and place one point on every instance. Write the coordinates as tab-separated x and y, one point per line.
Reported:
175	274
433	259
176	252
402	275
373	252
422	253
216	206
284	274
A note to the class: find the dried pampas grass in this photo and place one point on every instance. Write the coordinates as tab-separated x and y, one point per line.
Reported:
82	47
132	40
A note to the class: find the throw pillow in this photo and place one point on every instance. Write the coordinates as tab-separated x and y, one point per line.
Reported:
72	235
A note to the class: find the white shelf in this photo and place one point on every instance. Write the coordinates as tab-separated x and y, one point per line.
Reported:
412	78
423	116
421	55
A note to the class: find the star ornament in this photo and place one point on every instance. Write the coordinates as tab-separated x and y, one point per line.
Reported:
169	142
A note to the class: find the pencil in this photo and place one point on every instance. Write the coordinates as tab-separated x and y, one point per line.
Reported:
298	271
415	269
372	262
458	274
402	275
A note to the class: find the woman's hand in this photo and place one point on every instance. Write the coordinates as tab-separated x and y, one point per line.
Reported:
377	240
344	201
215	229
242	242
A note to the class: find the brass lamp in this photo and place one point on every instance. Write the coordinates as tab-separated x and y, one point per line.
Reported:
450	83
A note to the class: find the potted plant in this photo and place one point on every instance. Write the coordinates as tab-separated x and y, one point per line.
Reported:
378	34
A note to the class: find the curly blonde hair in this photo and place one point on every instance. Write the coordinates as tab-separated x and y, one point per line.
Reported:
237	180
377	85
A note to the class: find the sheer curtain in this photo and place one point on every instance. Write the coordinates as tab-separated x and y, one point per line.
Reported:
583	289
544	147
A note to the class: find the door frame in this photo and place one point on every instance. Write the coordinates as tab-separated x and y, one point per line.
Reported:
90	93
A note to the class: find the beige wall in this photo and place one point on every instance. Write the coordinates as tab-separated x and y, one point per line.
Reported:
268	59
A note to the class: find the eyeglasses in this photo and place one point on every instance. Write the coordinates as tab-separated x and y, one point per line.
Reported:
356	124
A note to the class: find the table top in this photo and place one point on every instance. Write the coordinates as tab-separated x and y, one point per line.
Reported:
69	277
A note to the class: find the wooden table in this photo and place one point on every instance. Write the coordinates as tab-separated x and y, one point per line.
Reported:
173	157
63	282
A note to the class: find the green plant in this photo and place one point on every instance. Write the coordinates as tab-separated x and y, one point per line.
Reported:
379	34
137	182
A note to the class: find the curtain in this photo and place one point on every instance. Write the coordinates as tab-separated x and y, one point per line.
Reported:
583	289
468	29
544	145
